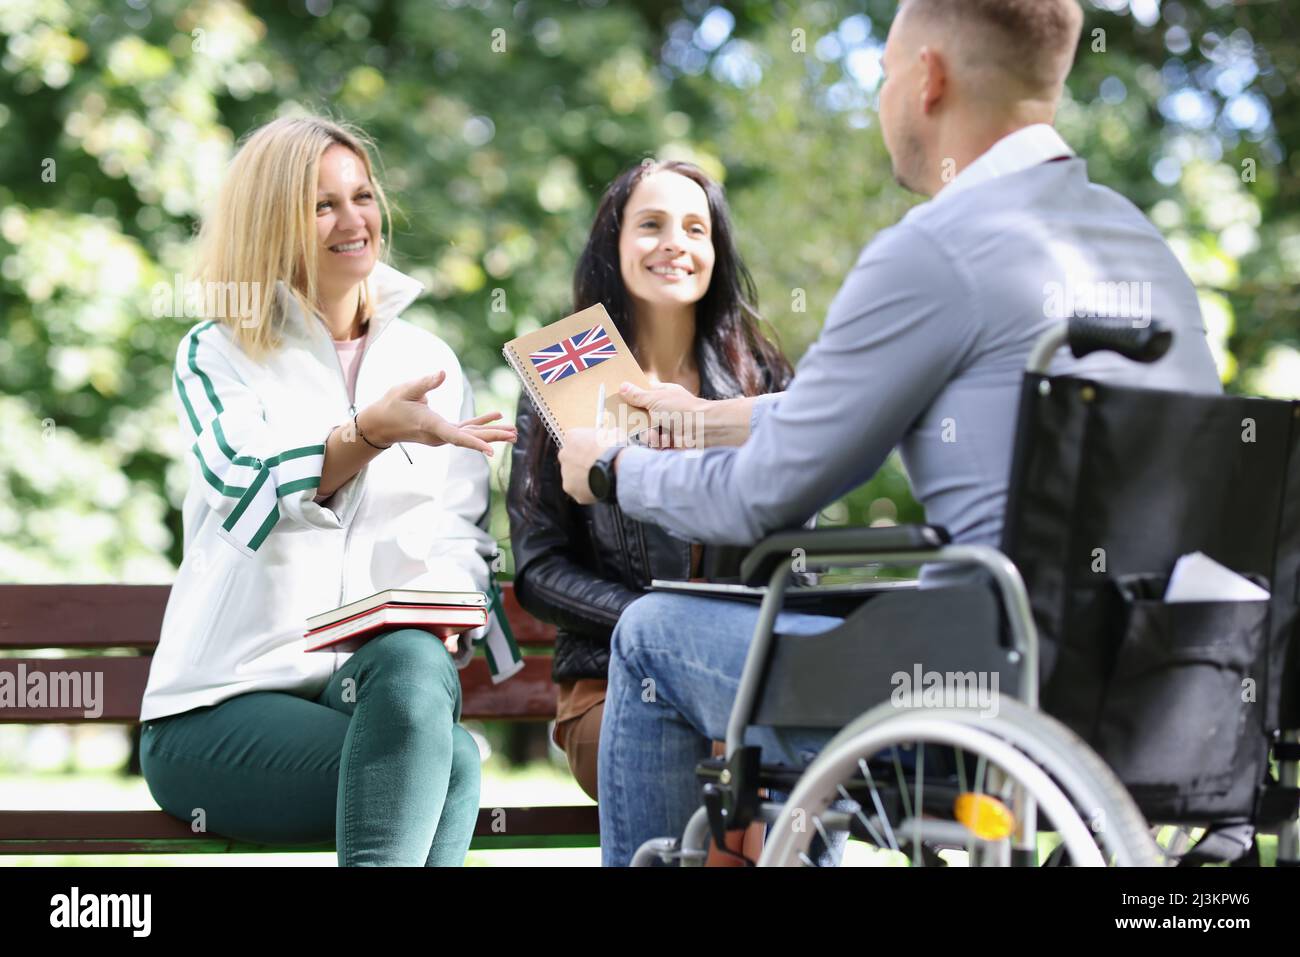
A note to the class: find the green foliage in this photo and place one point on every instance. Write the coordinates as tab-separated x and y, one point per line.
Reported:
498	125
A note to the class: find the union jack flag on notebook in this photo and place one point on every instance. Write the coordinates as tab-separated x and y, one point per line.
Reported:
572	355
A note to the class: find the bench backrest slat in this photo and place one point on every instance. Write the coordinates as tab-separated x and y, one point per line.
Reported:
81	616
129	617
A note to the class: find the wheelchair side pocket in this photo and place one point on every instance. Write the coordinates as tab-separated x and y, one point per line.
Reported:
1178	716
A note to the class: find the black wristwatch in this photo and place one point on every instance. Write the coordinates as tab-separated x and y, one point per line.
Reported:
600	479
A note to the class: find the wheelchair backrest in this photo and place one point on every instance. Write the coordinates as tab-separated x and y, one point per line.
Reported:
1109	486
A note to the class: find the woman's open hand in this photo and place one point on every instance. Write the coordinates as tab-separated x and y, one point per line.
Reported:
403	415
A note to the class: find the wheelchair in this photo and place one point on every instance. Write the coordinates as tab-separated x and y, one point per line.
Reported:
1130	718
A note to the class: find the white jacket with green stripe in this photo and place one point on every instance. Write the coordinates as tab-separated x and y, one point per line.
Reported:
261	554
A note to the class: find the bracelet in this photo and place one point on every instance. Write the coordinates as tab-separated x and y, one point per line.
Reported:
363	435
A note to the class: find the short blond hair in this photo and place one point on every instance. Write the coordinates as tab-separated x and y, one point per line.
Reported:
1031	41
261	228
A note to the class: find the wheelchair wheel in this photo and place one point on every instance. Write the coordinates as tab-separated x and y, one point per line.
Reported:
1018	775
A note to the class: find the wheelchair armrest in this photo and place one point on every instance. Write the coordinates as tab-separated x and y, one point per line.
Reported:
761	562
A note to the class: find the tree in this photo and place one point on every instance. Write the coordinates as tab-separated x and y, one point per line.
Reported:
498	126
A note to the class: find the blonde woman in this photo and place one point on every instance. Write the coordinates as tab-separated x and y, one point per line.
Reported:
298	503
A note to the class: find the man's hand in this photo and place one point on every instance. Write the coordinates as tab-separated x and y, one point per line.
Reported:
676	416
581	449
680	420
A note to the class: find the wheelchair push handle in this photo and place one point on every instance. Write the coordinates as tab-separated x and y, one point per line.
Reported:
1088	334
1145	343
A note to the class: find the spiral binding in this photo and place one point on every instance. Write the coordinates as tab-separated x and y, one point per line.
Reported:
548	419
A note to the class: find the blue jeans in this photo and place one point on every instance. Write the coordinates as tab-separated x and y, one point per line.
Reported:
674	668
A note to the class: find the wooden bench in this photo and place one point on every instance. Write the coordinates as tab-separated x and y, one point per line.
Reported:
124	620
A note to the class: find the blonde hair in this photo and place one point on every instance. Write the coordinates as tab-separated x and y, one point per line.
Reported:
262	225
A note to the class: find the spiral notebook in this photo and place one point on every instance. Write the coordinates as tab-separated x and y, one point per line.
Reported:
572	370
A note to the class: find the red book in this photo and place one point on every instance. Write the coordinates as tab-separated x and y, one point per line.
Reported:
351	633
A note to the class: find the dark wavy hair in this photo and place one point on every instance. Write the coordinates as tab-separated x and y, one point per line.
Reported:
732	353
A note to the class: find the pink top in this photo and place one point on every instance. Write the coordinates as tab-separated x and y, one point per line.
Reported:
349	351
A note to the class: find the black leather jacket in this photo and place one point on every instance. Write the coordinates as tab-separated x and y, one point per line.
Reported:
579	566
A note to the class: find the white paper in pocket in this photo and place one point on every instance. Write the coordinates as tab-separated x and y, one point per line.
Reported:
1198	577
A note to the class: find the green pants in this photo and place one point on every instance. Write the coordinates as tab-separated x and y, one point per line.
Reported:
377	761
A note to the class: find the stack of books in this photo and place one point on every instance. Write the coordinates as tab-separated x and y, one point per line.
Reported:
444	613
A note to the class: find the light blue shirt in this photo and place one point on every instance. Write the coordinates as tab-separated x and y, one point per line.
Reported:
924	349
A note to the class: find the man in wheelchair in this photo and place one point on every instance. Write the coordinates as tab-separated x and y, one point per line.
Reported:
923	350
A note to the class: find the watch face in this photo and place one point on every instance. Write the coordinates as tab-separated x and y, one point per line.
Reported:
598	481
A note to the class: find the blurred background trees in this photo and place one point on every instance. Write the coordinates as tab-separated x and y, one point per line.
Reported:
498	126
